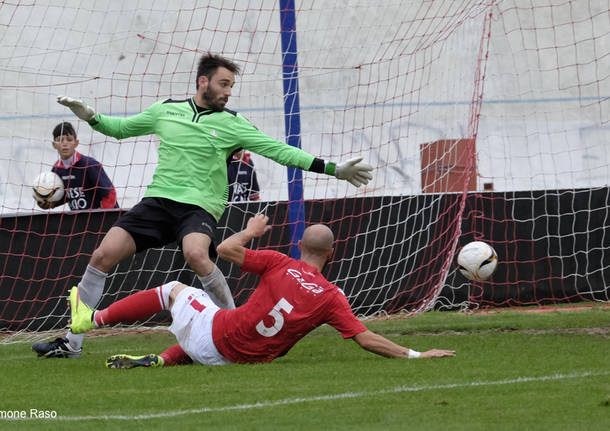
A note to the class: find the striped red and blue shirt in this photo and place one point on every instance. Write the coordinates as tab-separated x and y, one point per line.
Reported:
86	184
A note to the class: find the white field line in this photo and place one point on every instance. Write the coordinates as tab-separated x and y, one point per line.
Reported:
346	395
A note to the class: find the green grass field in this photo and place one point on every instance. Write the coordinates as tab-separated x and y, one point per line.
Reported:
512	371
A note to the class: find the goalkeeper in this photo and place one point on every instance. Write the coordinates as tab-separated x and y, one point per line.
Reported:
188	193
291	299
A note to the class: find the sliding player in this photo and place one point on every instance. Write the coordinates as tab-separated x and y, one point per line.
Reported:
189	190
291	300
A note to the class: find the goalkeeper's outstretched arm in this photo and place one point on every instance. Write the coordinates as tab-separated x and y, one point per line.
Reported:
78	107
353	170
380	345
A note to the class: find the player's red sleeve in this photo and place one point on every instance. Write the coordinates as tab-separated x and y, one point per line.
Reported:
258	261
342	317
109	200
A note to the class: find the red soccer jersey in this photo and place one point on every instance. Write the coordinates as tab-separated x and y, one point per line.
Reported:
292	299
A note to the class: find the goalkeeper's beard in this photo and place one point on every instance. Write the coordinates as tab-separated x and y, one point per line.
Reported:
214	102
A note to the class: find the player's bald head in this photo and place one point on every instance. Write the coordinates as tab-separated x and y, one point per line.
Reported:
318	239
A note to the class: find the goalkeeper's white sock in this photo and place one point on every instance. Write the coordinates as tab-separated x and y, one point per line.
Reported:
91	289
91	286
216	286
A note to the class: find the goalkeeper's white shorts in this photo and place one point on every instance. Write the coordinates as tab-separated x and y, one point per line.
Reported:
192	316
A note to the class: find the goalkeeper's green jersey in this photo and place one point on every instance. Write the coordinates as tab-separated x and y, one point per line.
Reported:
195	144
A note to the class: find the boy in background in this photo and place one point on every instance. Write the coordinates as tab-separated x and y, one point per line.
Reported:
85	182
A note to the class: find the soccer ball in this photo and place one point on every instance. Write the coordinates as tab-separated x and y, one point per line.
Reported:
477	260
48	187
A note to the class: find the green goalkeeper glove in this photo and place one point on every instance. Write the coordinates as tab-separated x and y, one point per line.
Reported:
80	108
355	172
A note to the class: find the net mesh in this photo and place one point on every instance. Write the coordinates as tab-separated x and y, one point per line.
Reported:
484	120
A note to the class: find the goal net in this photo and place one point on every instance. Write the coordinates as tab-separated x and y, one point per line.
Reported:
484	120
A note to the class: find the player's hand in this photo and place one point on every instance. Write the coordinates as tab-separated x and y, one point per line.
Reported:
257	225
355	172
80	108
436	353
45	205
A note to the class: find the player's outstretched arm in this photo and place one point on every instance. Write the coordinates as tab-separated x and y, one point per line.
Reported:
380	345
354	171
80	108
233	248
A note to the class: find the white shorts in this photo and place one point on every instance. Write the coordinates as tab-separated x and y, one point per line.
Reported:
192	315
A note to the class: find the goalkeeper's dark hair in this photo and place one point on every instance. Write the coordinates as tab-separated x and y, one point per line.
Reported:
209	64
64	128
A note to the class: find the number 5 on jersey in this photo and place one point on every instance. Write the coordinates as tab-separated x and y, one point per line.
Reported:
278	319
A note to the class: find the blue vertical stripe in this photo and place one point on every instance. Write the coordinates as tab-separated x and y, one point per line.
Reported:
292	121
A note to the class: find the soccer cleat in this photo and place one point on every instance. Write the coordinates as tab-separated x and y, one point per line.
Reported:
82	314
58	348
128	361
